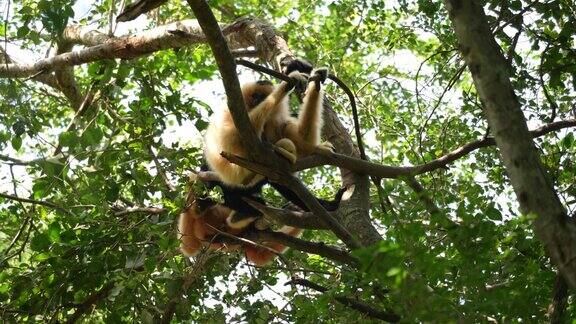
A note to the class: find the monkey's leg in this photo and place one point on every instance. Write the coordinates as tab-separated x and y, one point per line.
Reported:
310	119
304	148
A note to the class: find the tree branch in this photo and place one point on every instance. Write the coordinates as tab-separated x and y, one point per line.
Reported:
559	302
227	67
146	210
384	171
288	217
178	34
321	249
66	80
35	202
363	308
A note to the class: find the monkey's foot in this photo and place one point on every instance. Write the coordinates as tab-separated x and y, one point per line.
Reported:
326	147
239	220
287	149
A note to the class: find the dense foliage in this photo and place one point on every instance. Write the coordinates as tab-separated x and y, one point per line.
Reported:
79	251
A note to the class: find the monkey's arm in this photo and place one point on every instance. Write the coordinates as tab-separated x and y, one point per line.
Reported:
262	112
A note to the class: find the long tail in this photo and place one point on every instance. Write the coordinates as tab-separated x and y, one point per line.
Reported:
261	257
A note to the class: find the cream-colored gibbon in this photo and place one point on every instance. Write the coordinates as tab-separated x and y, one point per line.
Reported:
269	114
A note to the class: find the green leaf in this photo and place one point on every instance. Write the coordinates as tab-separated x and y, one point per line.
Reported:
68	139
16	143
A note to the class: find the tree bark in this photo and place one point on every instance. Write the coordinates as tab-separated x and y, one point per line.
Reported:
534	191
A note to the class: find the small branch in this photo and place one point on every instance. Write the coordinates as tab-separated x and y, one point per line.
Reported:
160	170
15	239
146	210
90	302
35	202
287	217
245	53
363	308
15	161
81	110
321	249
137	8
263	69
422	195
549	98
190	276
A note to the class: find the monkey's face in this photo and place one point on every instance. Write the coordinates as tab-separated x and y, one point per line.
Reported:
254	93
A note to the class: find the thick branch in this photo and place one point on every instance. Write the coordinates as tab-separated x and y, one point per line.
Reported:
47	79
491	75
173	35
350	302
557	307
227	68
66	80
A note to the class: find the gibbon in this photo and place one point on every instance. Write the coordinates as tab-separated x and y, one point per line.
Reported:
269	114
200	224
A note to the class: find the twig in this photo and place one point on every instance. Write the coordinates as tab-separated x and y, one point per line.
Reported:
363	308
160	170
36	202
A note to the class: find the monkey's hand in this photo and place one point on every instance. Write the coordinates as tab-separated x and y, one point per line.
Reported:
298	81
319	76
